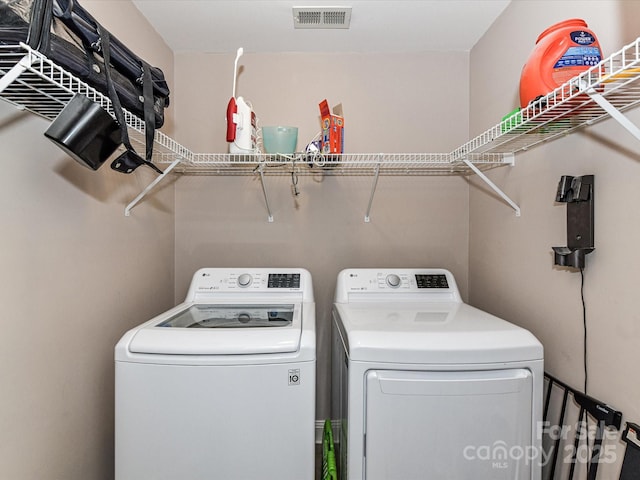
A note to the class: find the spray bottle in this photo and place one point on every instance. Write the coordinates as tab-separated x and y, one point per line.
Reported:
241	119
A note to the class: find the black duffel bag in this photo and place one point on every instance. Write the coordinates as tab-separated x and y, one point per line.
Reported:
69	36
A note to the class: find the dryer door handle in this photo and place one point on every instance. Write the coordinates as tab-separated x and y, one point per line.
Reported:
492	382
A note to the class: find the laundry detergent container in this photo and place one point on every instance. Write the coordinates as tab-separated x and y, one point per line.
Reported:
562	51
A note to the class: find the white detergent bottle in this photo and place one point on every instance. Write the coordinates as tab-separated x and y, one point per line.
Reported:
241	119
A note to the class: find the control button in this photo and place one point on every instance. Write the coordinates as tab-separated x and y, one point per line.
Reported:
393	280
245	280
244	317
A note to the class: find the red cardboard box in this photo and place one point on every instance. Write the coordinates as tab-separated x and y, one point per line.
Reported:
332	128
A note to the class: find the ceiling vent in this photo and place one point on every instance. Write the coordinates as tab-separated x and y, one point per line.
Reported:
321	17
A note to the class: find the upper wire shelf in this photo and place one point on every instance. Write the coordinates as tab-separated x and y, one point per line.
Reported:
331	164
567	108
44	88
31	81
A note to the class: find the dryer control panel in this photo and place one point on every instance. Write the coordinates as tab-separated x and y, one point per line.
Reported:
399	284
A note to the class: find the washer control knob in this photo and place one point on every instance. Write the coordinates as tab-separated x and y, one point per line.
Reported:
245	280
393	280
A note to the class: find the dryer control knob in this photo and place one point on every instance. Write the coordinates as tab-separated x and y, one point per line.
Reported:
245	280
393	280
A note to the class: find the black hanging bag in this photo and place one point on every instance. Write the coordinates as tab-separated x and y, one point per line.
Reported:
69	36
129	160
125	63
21	21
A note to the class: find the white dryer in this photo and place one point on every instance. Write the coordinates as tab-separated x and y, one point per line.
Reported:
222	385
426	386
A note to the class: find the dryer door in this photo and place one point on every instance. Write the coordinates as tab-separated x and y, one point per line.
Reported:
444	425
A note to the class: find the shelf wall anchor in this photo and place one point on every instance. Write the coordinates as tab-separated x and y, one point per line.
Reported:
264	192
367	218
156	181
493	186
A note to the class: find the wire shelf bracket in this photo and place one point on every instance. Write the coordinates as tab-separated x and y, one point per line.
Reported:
367	217
156	181
613	112
492	185
264	192
15	72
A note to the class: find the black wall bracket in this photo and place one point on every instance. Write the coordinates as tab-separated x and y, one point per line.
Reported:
577	193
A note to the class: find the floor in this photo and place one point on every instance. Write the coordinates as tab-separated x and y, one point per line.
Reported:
318	462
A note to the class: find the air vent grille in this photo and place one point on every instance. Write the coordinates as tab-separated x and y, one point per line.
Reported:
321	17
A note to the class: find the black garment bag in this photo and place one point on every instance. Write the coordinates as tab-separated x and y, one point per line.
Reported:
69	36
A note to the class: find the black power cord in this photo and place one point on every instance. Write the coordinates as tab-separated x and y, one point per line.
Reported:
584	323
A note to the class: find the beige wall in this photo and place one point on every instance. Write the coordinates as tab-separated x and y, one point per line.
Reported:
76	273
392	103
511	271
80	273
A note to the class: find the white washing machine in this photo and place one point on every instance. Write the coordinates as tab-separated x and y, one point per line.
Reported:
223	385
426	386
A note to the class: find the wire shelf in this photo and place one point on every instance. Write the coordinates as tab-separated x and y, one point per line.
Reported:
31	81
567	108
333	164
44	88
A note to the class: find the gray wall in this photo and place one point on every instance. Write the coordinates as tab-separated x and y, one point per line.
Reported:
511	271
76	274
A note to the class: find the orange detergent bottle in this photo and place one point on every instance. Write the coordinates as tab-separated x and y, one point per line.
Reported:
562	51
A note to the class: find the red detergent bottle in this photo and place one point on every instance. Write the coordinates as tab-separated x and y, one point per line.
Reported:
562	51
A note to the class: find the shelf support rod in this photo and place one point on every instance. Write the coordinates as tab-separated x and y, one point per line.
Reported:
157	180
367	218
12	75
614	112
492	185
264	192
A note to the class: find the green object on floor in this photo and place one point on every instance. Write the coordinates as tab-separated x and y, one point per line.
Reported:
329	471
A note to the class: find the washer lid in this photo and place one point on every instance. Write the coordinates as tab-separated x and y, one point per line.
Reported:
432	333
220	329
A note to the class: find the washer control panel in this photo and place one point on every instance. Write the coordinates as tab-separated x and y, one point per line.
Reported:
263	281
274	280
427	284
